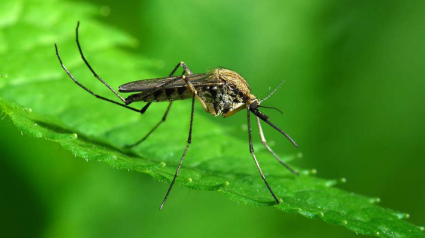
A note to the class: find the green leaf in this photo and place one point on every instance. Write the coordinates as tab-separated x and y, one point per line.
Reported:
43	102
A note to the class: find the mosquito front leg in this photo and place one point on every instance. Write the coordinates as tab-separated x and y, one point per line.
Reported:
251	150
263	140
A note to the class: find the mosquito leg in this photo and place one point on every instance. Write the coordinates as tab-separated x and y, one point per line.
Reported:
145	107
263	140
91	69
251	149
189	140
184	66
88	90
153	129
187	71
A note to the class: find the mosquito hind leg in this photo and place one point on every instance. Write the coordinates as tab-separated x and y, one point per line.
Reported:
263	140
88	90
91	69
97	76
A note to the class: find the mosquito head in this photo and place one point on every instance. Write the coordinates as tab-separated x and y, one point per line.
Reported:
253	107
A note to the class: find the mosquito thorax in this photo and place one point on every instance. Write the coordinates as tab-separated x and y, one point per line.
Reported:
228	98
233	80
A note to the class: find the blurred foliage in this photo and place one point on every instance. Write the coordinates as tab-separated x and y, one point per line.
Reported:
352	69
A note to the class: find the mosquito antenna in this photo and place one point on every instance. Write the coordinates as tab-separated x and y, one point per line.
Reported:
277	109
274	90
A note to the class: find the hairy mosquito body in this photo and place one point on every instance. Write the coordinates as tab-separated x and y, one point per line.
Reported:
220	92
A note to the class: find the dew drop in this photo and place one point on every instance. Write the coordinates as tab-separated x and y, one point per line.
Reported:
374	200
402	215
330	183
244	127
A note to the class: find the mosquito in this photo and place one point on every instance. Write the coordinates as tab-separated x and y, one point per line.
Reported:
220	92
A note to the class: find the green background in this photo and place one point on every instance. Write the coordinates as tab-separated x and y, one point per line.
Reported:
352	100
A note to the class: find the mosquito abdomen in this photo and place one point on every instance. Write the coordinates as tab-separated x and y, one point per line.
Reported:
166	94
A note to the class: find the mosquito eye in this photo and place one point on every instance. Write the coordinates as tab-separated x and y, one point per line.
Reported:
254	106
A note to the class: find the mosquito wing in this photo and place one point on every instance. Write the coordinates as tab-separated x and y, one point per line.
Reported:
164	83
